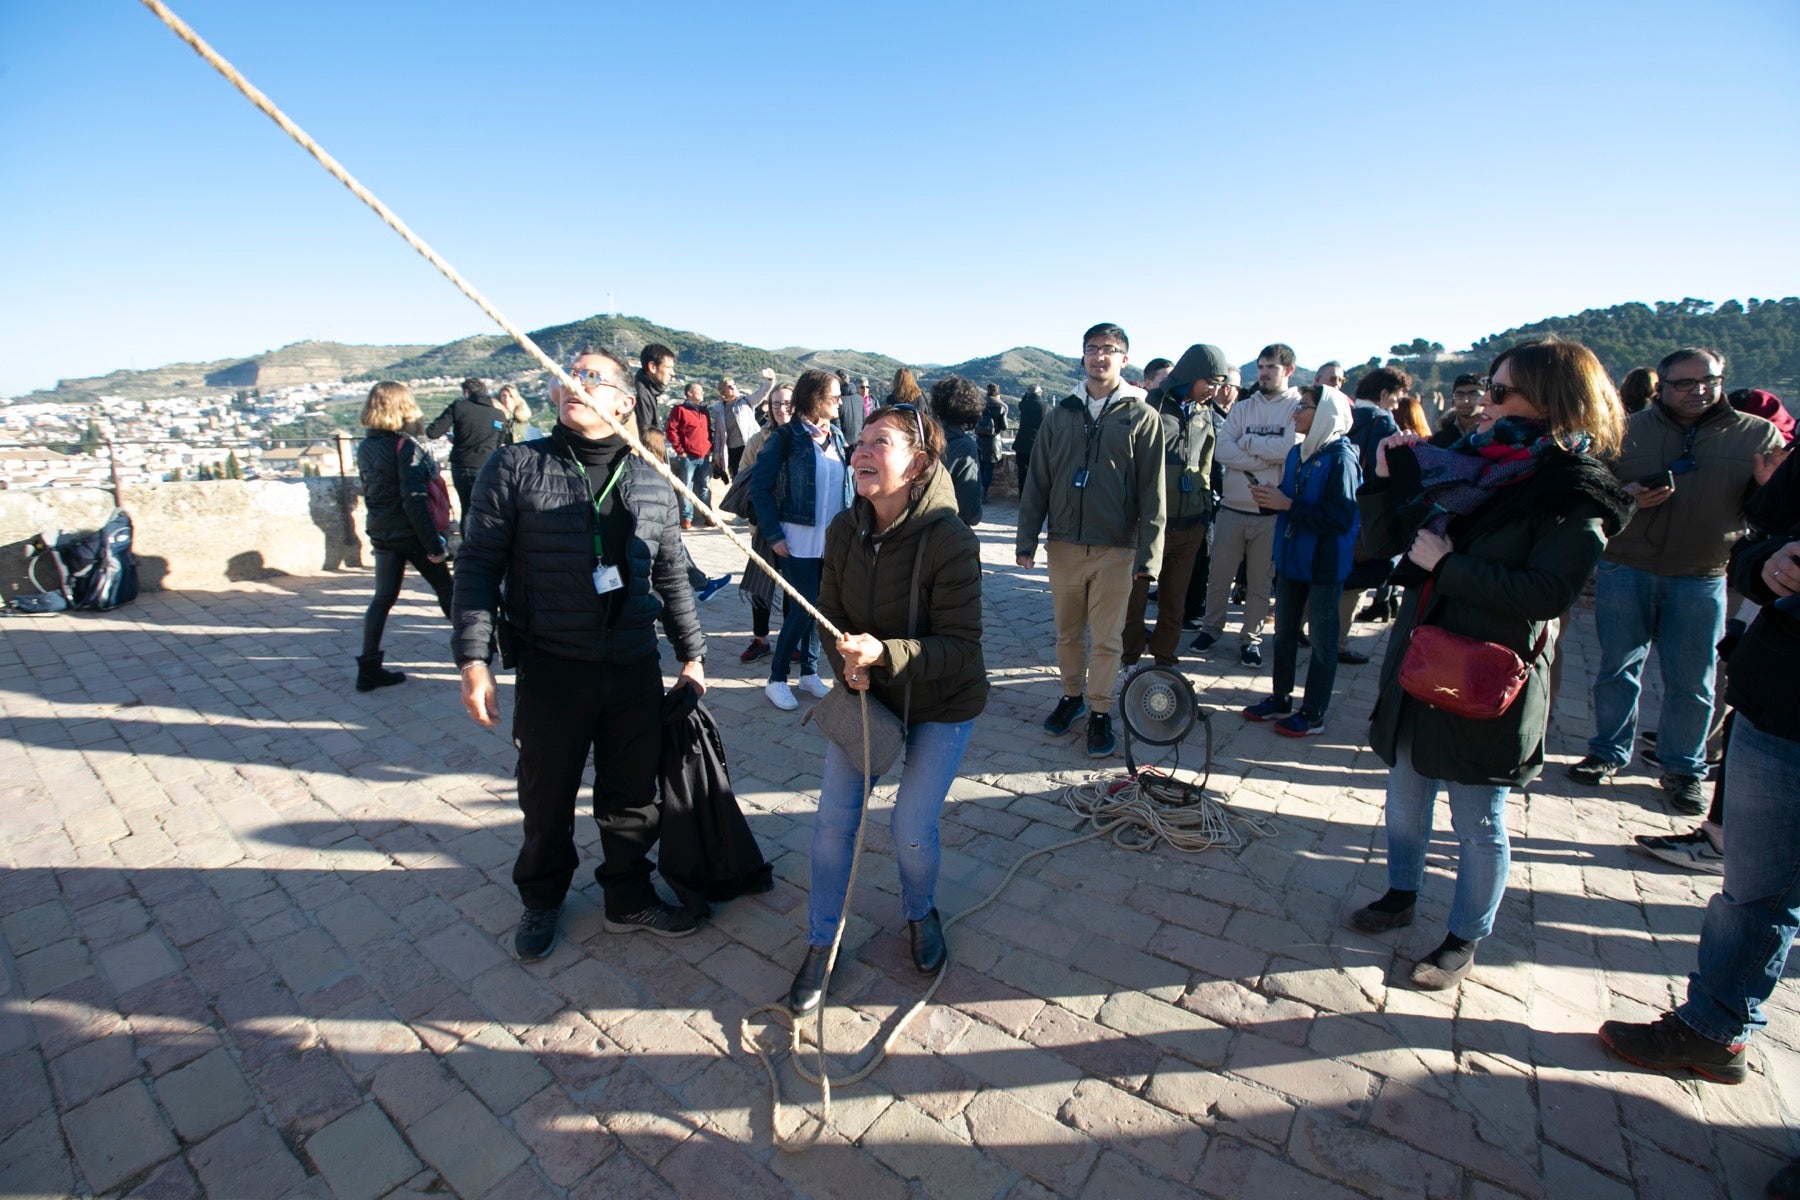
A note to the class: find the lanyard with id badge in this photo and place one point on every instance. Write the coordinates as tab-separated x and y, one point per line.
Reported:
606	577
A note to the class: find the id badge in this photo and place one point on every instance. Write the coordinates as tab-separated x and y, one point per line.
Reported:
1081	477
607	579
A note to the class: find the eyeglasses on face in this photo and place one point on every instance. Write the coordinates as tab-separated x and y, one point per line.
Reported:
1106	350
593	379
1498	393
1706	383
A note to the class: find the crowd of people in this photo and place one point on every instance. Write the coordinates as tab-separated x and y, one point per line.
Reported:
1473	534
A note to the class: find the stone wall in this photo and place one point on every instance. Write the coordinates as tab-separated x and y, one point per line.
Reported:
200	536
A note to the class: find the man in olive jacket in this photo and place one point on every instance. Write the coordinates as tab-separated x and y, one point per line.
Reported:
1691	461
1097	478
1188	440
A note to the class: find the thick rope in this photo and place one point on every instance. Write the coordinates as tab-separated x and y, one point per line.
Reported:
182	30
1146	804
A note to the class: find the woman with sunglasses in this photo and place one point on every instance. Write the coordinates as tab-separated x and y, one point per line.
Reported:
799	483
1500	533
900	556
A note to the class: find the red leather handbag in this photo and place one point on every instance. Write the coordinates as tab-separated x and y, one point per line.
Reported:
1463	676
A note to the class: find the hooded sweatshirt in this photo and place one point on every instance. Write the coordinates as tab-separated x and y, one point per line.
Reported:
1188	436
1258	433
1315	540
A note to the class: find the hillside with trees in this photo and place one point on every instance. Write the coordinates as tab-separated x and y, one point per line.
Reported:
1760	340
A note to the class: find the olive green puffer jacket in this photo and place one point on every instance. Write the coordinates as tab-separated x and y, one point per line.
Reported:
865	586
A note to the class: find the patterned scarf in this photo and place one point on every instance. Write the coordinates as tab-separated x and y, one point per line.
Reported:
1459	479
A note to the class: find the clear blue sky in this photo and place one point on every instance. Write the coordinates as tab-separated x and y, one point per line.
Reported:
930	180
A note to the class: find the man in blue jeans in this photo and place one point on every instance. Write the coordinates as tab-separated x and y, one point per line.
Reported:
1750	924
1690	460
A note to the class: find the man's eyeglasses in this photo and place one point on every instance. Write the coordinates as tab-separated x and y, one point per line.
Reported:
593	379
1106	351
1709	383
1466	394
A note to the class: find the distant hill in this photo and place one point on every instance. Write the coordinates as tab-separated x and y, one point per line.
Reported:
302	362
1760	339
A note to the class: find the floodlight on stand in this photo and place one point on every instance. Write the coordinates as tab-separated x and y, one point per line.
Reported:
1157	708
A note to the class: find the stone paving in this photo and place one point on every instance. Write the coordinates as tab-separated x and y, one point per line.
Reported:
256	942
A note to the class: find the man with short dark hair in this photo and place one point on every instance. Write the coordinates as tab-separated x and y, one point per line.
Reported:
1460	421
1097	479
1155	372
573	542
1252	450
656	368
1691	461
690	433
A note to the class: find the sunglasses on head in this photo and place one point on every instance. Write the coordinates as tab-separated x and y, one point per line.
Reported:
918	420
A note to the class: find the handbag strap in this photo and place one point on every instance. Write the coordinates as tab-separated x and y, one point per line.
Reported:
912	617
1537	648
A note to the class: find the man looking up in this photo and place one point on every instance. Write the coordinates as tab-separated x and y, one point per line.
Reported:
1690	460
573	542
657	367
1460	421
1252	449
1183	403
1097	478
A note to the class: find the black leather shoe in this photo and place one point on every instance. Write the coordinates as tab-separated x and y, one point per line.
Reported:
809	981
927	943
536	934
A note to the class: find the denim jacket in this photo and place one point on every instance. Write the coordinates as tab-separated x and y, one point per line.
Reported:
779	495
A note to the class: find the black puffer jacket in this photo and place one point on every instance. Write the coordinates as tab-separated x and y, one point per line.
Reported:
531	525
395	473
1519	562
476	429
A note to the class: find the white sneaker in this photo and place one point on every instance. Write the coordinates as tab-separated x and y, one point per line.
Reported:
780	695
815	687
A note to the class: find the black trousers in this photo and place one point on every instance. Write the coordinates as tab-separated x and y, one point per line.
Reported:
390	569
564	710
464	483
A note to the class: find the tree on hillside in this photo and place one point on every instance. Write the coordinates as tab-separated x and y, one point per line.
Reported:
91	439
1416	347
233	469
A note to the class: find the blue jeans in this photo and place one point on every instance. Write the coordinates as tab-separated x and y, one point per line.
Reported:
934	753
1684	615
1477	814
796	623
696	473
1751	922
1321	603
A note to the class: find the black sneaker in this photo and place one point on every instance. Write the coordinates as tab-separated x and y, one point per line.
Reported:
536	935
656	917
1671	1044
1714	758
1352	658
1690	851
1250	655
1063	715
1203	641
1101	742
1592	769
1685	793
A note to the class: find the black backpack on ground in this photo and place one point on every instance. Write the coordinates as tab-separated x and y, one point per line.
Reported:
94	571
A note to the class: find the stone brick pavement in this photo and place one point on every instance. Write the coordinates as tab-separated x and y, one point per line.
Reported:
255	943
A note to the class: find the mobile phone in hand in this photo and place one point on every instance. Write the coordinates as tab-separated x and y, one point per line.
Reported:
1661	479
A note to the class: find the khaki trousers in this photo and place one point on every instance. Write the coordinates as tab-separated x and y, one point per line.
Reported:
1250	538
1089	589
1180	548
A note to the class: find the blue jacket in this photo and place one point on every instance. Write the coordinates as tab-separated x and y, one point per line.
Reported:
1316	538
794	501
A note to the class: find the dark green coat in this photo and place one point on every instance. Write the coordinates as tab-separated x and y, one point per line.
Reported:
864	587
1518	563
